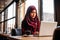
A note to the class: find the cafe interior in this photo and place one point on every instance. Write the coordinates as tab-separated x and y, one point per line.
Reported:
12	12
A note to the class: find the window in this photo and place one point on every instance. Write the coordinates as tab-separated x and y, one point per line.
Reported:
11	17
10	25
7	18
11	10
48	10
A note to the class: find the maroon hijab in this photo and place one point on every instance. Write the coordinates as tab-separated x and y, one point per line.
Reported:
35	23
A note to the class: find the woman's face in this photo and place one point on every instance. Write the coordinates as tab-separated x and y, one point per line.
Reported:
33	14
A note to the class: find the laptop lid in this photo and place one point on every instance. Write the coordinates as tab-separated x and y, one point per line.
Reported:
47	28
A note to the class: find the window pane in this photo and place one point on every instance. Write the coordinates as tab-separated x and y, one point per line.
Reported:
10	25
48	10
12	10
2	17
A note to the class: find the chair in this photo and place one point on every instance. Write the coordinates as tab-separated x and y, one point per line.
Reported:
56	35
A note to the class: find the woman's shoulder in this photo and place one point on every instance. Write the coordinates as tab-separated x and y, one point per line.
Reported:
24	21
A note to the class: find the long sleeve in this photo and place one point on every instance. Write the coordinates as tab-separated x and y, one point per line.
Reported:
38	26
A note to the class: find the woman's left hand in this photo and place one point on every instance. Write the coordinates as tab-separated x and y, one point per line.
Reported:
36	33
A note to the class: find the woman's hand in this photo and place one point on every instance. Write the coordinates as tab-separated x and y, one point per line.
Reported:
36	33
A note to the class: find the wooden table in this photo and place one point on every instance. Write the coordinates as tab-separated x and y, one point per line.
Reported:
36	38
33	38
26	38
30	38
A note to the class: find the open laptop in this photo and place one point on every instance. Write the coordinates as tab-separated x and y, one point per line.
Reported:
47	28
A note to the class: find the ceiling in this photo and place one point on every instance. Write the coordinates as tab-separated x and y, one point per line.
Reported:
4	3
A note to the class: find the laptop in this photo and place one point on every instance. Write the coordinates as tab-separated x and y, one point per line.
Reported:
47	28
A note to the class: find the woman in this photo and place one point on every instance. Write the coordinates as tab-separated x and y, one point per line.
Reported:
31	23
